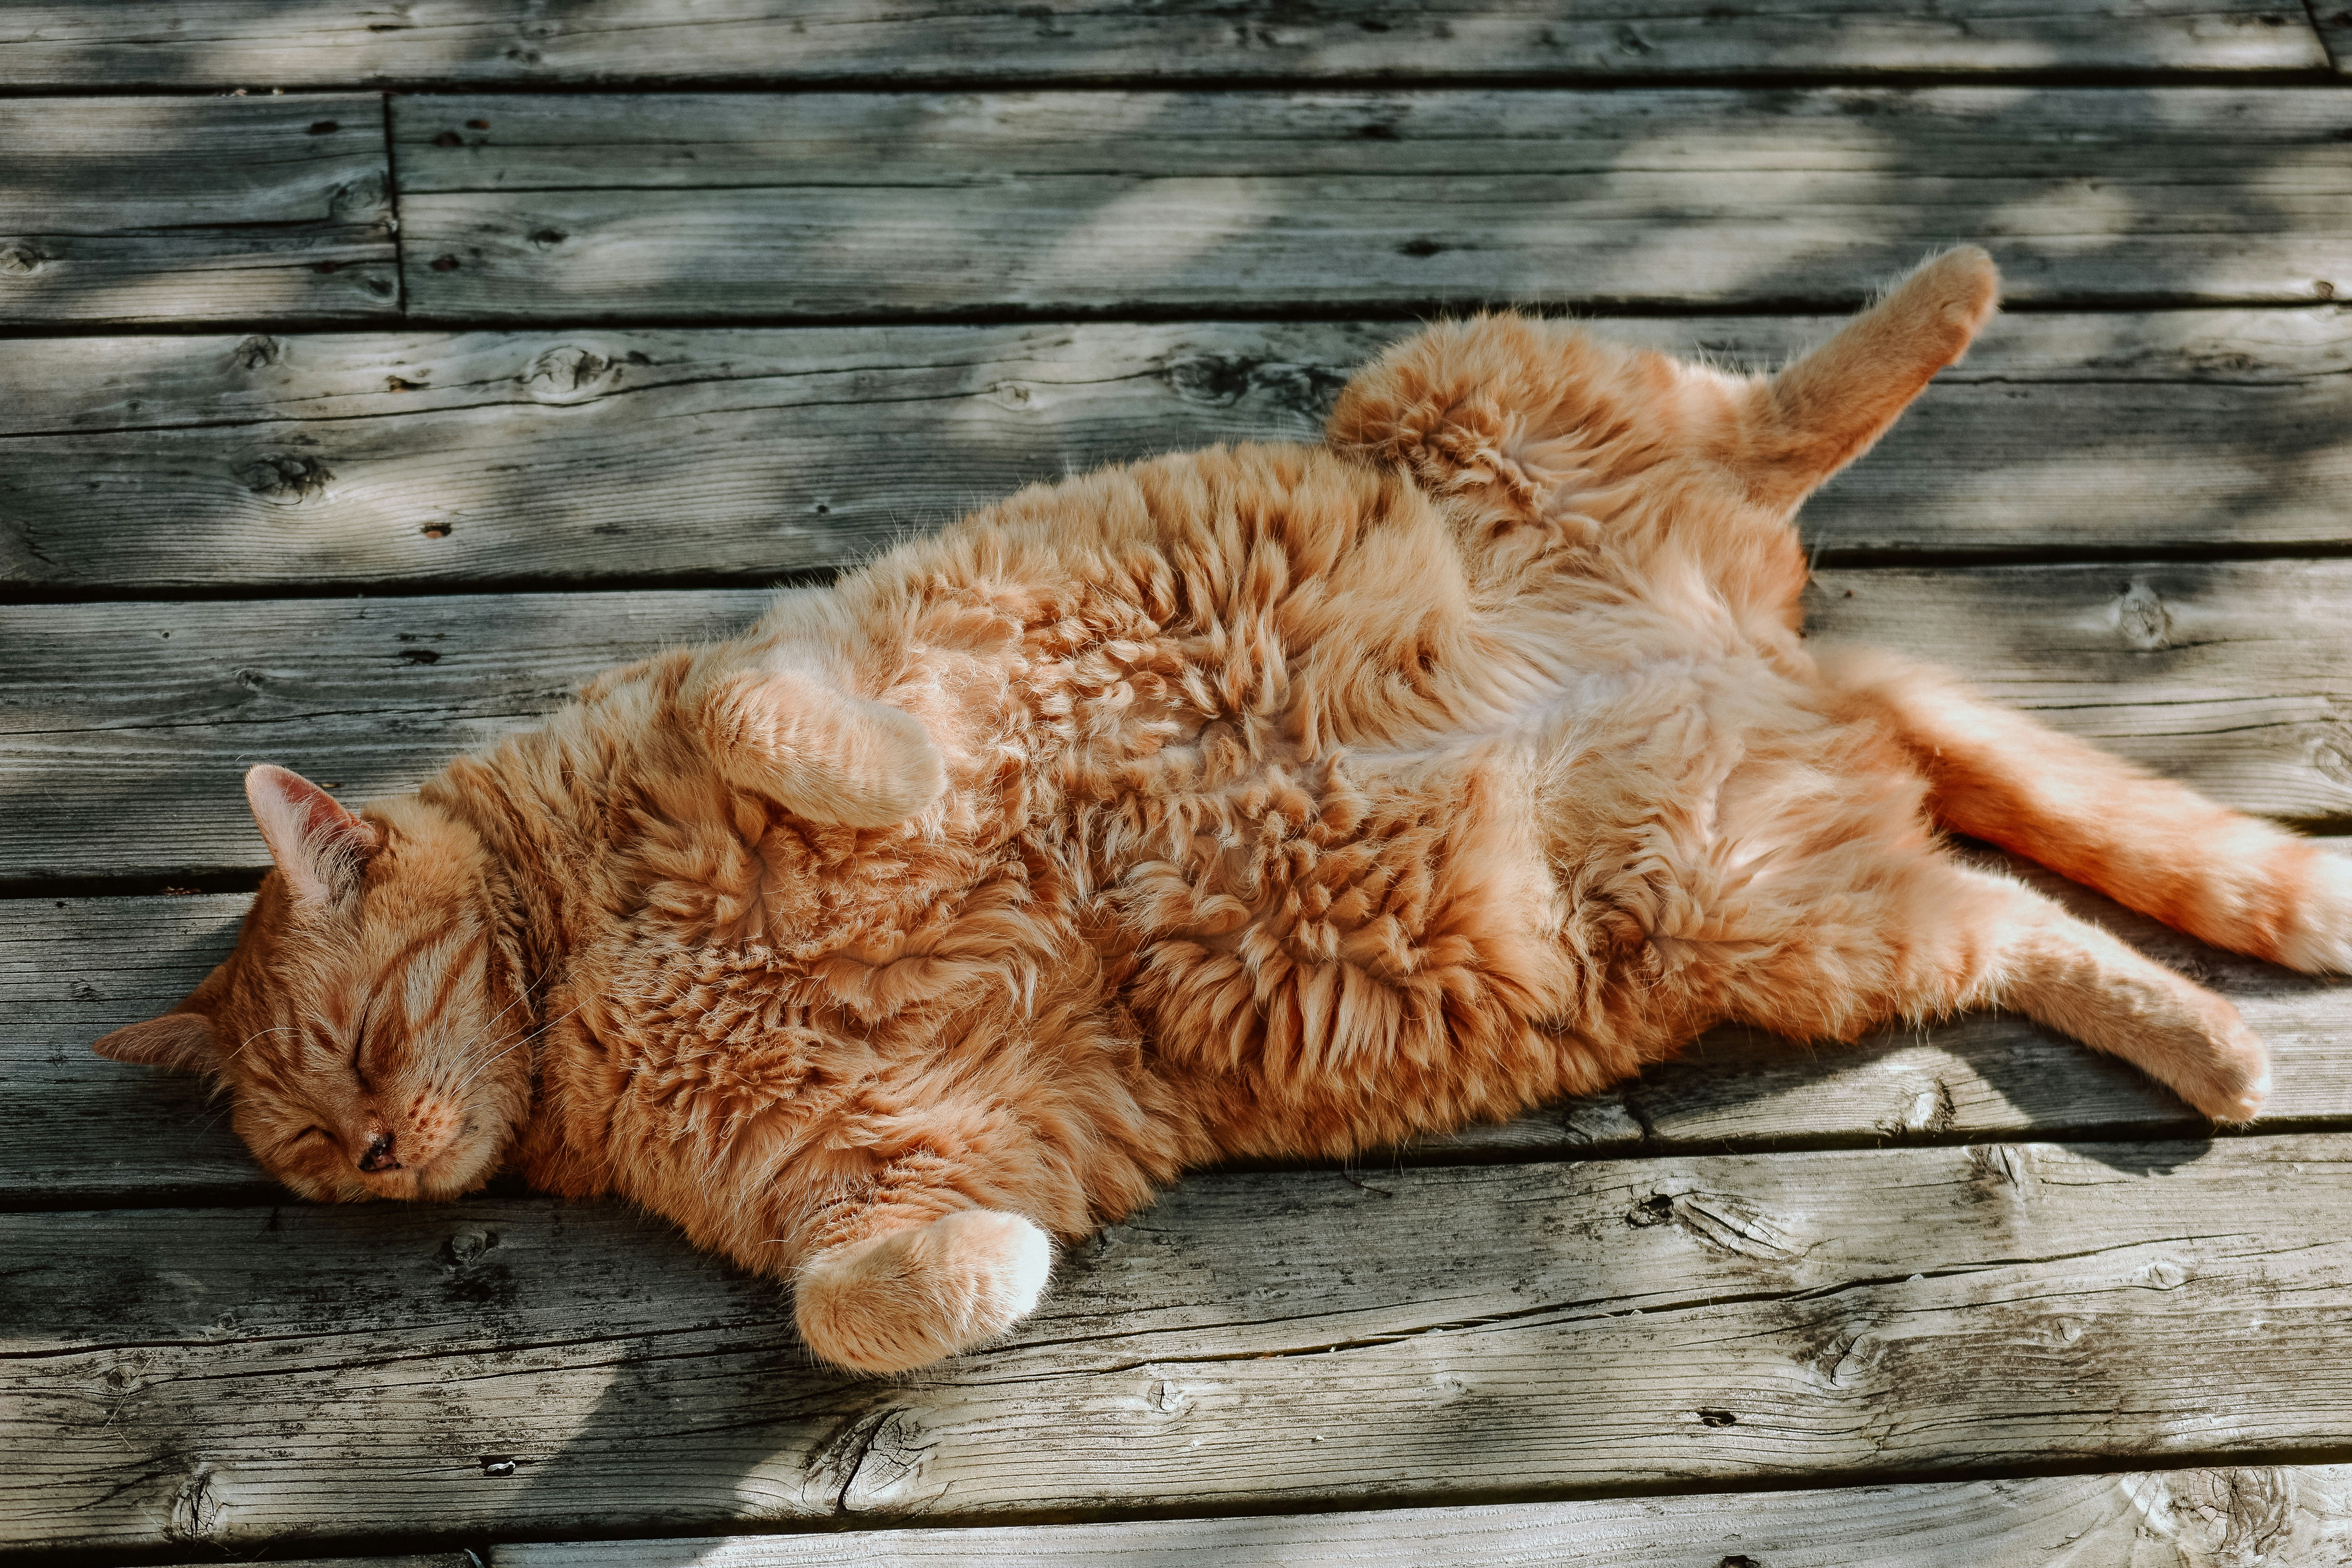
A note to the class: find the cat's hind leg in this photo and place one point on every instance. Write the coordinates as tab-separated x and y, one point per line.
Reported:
1532	418
2069	975
1926	936
2148	842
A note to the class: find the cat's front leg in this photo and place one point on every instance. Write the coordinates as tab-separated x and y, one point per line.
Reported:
910	1297
796	738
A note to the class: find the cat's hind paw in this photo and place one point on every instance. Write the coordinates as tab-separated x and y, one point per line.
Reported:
1947	301
908	1298
2230	1078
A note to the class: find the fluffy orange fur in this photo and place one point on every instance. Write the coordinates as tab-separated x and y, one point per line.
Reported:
1265	801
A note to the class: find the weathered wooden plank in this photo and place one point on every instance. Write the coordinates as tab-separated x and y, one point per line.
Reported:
110	711
2288	1516
2185	668
596	455
2334	23
616	456
426	1559
821	205
127	725
1256	1341
164	209
71	970
232	42
85	1130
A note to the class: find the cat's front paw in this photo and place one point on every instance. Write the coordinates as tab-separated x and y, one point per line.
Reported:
824	755
2318	937
908	1298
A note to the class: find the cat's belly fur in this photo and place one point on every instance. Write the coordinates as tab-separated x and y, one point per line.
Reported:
1206	886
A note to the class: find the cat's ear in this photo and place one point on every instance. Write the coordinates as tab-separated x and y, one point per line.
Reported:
181	1042
318	846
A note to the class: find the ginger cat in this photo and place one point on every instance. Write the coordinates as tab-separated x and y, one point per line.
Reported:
1269	800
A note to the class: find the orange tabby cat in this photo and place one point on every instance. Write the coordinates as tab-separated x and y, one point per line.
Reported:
1269	801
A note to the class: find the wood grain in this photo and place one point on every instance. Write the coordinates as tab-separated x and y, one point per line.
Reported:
88	1131
160	209
2288	1516
128	725
235	43
82	1129
1254	1342
2334	23
601	455
811	206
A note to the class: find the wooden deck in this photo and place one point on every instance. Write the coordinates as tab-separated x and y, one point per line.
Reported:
373	372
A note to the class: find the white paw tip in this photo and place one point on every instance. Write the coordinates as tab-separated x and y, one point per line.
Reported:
2320	939
1026	1254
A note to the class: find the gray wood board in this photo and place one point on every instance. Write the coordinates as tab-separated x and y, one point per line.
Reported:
1254	1342
612	456
422	1560
127	726
177	209
2286	1516
2334	21
809	206
85	1130
241	43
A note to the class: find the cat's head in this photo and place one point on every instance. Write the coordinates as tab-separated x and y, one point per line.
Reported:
369	1028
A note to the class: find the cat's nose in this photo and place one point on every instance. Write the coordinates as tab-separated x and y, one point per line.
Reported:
379	1155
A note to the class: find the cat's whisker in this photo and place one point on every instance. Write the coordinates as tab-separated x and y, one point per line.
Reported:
525	995
258	1034
521	1039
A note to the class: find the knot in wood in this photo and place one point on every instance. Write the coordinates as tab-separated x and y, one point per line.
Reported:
18	259
567	373
1725	1221
2142	618
281	477
198	1512
466	1244
362	198
256	352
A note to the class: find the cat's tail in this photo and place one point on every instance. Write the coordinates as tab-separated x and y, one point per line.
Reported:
2148	842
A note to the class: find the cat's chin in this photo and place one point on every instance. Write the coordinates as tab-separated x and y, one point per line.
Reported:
452	1173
